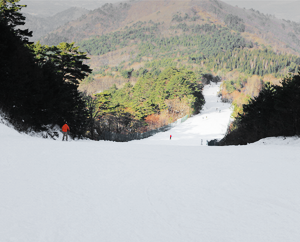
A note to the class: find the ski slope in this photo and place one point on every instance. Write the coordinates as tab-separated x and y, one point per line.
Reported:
153	190
210	124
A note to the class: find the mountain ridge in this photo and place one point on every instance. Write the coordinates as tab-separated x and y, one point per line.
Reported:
41	25
252	48
113	17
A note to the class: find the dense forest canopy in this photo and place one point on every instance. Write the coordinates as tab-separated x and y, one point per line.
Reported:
152	92
157	99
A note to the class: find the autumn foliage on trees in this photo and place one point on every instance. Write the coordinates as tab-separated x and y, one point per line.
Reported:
154	101
154	121
175	110
176	91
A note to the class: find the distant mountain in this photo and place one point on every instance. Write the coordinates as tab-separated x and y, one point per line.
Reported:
217	41
287	9
97	22
47	8
283	34
43	25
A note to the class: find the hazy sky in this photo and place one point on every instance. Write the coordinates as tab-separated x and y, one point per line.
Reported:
287	9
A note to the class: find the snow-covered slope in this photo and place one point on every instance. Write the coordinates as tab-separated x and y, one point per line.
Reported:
210	124
150	190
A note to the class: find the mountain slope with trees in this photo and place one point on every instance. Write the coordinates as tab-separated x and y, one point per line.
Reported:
151	60
157	99
112	17
244	48
200	35
274	112
206	36
40	88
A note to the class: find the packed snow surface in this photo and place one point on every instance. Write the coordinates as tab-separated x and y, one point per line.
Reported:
153	190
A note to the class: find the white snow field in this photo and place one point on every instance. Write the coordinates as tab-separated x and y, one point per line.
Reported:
154	190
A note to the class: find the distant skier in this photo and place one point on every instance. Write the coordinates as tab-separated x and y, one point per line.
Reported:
65	128
170	136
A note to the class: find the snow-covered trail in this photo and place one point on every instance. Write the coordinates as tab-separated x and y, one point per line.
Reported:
210	124
88	191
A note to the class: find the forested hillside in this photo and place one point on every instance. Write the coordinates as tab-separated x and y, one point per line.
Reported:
149	61
244	48
265	29
40	88
157	99
206	36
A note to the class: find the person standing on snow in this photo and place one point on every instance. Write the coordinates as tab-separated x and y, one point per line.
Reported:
65	128
170	136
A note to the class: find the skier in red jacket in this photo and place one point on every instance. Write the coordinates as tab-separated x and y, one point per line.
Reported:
65	128
170	136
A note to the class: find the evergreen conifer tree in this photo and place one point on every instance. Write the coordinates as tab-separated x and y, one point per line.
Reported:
38	92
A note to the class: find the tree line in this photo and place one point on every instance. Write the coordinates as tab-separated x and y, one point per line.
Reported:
211	46
254	62
274	112
38	83
157	99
